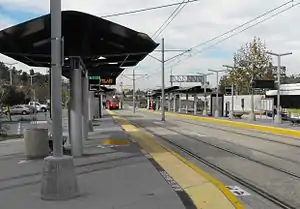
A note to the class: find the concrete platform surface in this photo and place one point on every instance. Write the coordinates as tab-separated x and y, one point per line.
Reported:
205	191
109	176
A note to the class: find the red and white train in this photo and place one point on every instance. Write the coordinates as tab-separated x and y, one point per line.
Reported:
112	103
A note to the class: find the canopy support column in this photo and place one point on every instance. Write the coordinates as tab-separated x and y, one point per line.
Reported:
179	103
76	111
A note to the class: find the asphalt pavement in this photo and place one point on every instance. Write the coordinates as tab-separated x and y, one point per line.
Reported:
19	123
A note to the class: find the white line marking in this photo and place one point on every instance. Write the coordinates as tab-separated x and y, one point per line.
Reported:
238	191
158	123
24	161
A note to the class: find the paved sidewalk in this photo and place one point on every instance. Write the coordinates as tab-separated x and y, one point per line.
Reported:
109	177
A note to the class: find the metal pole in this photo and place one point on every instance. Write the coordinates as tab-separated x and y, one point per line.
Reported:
252	116
205	107
232	101
10	77
56	77
278	115
171	79
217	97
133	90
163	117
100	105
122	95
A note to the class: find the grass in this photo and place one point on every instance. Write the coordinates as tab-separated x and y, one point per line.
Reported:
295	111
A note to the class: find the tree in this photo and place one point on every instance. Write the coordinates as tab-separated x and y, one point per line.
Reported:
10	95
251	62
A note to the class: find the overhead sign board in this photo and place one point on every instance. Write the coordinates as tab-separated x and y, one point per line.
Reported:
187	78
108	81
102	80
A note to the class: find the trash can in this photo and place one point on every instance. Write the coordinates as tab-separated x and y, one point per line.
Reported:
36	143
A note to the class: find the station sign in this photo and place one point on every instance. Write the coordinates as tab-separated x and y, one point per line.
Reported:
108	81
102	80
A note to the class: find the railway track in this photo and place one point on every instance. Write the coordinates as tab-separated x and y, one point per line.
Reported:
247	135
241	134
251	186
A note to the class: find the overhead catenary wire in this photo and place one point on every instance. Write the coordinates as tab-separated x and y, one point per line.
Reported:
226	38
233	29
146	9
170	19
234	34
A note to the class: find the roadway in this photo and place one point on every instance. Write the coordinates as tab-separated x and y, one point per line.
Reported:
16	127
265	166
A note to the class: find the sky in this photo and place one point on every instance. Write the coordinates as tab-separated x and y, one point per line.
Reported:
197	22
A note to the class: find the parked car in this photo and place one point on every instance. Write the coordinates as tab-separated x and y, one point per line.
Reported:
38	106
19	110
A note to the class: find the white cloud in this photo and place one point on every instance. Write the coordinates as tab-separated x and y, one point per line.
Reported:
197	23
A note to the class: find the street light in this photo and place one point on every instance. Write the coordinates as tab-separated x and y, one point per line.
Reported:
205	86
217	94
278	115
231	113
10	72
252	116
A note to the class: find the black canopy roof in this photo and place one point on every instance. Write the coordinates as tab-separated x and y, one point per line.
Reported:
106	89
107	71
167	89
99	42
192	90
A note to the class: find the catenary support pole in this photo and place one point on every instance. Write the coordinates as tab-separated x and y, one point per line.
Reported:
133	90
59	181
278	118
163	116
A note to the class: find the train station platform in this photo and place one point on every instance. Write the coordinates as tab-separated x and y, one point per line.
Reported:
122	168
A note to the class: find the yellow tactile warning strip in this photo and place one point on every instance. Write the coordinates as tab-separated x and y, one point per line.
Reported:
205	191
266	129
115	142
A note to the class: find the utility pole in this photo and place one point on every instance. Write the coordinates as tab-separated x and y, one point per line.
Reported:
217	113
278	115
59	180
171	80
10	72
133	91
163	116
122	95
162	61
133	85
34	97
205	83
231	113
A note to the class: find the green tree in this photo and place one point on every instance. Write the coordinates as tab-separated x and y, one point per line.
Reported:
251	62
9	96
